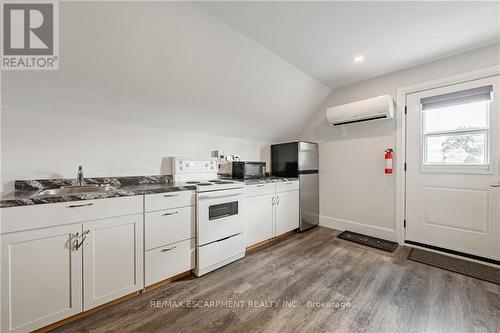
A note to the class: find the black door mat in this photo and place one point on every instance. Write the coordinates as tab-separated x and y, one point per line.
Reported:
378	243
460	266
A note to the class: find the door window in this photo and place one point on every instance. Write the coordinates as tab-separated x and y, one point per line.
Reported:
222	210
456	128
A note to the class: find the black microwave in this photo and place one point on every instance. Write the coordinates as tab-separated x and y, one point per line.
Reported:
245	170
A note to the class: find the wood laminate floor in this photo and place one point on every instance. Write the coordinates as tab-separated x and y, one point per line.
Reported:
357	289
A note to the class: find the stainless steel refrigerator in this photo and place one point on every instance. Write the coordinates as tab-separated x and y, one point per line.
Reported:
300	159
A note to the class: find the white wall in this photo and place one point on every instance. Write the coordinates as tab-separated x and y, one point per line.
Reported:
355	193
50	145
166	65
135	80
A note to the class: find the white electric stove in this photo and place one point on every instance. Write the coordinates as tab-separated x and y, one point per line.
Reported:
220	212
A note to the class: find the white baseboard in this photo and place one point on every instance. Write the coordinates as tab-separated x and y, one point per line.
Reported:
366	229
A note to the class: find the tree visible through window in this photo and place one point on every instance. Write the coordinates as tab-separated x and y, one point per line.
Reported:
456	133
468	145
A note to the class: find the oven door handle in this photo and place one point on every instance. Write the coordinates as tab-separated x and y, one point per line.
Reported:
221	216
222	195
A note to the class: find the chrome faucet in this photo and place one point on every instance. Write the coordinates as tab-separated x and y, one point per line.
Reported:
79	177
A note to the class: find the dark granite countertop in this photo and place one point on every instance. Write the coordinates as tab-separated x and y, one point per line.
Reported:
25	191
264	180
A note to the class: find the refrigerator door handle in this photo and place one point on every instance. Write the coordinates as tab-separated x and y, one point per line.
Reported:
307	172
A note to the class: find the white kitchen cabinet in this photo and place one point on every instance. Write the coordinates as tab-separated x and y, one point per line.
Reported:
41	277
260	216
287	211
260	189
169	233
160	201
287	186
169	226
170	260
46	277
23	218
112	259
272	210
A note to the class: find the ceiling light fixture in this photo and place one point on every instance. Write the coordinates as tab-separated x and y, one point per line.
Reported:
358	59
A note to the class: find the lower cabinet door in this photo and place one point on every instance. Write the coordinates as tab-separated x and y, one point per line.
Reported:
259	220
112	259
287	211
167	261
41	277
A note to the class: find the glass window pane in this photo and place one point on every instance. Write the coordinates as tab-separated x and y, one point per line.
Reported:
456	117
222	210
456	149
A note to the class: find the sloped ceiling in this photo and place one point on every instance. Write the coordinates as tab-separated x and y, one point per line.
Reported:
321	38
166	65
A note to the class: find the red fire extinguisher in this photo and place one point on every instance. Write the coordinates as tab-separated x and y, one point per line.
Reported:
388	160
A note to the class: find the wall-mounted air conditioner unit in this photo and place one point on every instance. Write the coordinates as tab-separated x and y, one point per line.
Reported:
381	107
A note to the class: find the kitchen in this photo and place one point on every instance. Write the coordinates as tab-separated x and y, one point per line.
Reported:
134	234
198	171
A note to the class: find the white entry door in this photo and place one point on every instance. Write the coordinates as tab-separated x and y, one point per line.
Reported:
453	162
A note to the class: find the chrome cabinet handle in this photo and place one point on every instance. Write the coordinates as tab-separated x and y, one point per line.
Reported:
289	183
82	205
278	200
84	236
169	249
75	238
168	214
273	201
170	195
495	185
261	185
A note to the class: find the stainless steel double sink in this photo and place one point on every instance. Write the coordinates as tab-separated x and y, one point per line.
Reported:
76	189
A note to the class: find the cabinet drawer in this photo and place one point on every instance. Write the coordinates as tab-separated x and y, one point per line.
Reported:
259	189
167	261
168	200
287	186
46	215
169	226
217	254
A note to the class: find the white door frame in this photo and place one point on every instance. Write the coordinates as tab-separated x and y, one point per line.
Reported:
400	155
